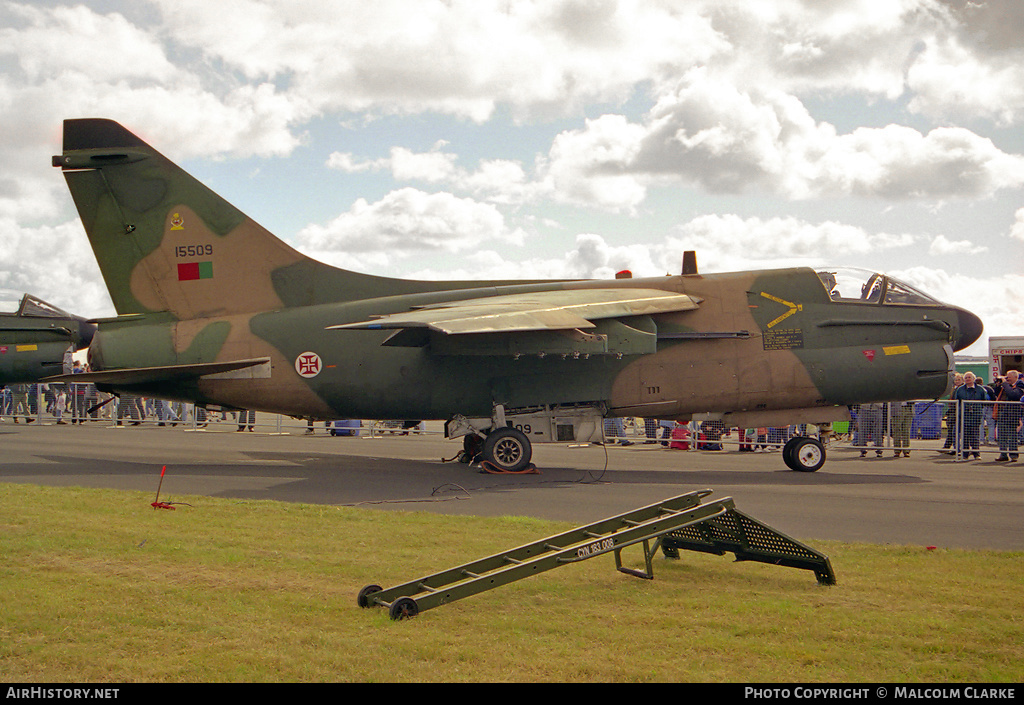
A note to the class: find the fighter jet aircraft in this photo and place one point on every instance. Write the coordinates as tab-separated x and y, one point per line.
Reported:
214	309
34	339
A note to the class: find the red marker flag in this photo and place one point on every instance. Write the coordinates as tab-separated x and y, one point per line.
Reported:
157	504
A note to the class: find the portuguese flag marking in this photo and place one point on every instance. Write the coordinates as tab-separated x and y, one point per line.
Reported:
195	270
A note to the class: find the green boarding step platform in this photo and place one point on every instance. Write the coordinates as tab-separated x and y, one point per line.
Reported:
685	522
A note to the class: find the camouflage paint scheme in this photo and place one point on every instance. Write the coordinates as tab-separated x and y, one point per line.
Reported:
195	281
34	338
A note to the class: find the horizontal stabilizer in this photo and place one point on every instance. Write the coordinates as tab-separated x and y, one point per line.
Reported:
166	373
563	309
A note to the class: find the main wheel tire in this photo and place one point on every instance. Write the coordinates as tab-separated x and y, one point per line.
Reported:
805	455
508	449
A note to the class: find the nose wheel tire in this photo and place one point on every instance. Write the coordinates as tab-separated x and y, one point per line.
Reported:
804	454
508	449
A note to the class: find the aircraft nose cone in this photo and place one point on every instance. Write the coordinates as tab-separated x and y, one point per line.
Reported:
86	331
969	328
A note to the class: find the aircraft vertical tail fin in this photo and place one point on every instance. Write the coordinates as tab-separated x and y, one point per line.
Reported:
167	243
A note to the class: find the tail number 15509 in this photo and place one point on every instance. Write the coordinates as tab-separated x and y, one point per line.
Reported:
193	250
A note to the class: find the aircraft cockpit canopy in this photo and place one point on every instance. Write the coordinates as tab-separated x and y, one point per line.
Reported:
871	287
31	306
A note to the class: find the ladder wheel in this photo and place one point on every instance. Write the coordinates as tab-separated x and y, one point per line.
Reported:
363	598
508	449
403	608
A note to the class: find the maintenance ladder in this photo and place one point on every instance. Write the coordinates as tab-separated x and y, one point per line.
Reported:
682	522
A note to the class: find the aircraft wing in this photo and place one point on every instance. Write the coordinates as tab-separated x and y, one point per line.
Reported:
166	373
567	309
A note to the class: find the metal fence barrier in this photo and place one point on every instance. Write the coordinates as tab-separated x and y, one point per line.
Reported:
37	404
963	429
888	429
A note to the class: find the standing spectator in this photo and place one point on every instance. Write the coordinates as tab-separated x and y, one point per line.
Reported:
20	402
76	396
761	442
902	419
987	422
615	431
60	401
712	431
869	426
33	402
971	397
246	418
950	416
651	430
128	406
1008	414
165	412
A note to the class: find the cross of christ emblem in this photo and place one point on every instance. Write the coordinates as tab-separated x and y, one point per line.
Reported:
308	364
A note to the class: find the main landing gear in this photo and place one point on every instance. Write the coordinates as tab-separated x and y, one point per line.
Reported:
504	442
504	450
507	450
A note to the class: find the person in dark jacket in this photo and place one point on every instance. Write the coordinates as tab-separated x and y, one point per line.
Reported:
1010	391
972	395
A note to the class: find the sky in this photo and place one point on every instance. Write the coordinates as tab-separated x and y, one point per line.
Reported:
476	139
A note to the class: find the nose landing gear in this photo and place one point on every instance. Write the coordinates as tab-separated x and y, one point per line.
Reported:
803	454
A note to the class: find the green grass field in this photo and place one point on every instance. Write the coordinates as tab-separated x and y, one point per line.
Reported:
96	586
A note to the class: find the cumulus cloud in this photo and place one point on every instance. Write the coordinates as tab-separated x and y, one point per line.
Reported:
948	162
55	264
591	166
1017	229
710	133
494	180
458	57
408	221
594	258
728	242
723	243
948	78
466	58
52	41
941	245
76	62
283	63
973	69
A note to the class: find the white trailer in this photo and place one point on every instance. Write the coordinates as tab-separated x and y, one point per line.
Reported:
1005	353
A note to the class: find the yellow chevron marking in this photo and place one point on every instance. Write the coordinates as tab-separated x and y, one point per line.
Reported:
793	308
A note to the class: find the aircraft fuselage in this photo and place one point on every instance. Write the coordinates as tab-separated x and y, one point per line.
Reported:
760	341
